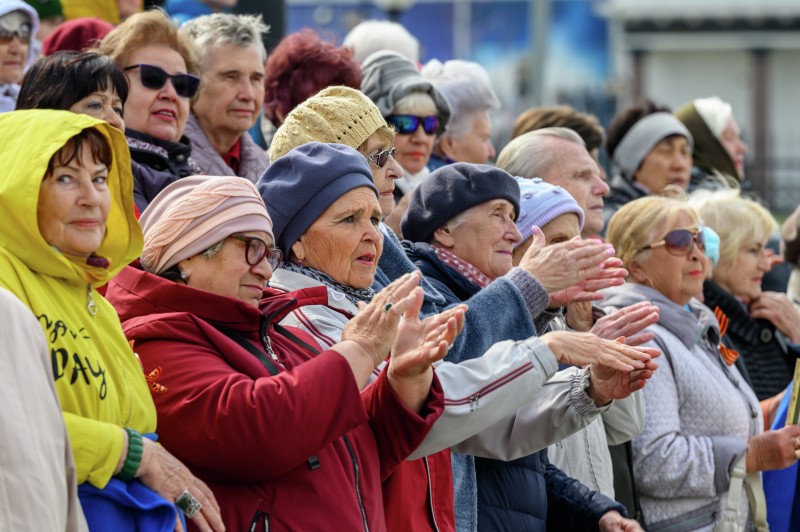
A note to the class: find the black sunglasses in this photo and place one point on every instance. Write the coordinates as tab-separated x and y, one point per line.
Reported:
256	249
680	242
23	33
408	124
382	157
155	78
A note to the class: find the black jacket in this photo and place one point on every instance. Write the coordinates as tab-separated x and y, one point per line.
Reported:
621	192
157	163
766	357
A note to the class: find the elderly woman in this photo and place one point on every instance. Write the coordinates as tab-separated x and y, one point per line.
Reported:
68	200
462	222
651	149
718	147
412	106
289	440
584	455
468	134
703	424
342	257
162	69
18	25
763	327
82	82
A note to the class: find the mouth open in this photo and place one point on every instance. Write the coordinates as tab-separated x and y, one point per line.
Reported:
367	259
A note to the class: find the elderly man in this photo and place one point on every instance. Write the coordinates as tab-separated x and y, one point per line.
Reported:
559	156
231	94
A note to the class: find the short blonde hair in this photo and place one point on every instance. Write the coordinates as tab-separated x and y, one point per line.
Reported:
641	222
417	103
145	29
738	221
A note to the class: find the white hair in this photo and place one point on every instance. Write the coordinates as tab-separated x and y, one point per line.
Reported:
530	155
467	89
219	28
375	35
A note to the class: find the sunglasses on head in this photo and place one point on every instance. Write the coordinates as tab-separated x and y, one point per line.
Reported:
23	33
256	249
680	242
155	78
408	124
382	157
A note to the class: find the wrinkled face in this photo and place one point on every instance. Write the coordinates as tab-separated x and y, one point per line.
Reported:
486	238
678	277
74	200
14	53
345	241
227	273
742	276
474	147
103	104
576	172
669	163
383	177
232	90
160	113
559	229
731	140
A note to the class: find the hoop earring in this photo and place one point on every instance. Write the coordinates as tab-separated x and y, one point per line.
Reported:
184	276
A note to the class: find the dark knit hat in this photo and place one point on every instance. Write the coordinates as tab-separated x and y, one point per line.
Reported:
298	187
451	190
388	77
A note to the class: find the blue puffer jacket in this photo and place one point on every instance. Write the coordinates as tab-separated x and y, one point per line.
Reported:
525	494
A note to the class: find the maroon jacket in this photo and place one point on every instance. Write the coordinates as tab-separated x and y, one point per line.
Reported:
302	450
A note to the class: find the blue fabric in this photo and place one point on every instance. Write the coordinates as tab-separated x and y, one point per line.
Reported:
780	486
185	10
127	507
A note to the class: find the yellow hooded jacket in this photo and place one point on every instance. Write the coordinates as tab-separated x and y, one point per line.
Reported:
98	378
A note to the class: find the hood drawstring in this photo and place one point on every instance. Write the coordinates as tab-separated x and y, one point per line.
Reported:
91	306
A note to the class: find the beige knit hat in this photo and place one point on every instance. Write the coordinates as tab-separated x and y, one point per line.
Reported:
336	115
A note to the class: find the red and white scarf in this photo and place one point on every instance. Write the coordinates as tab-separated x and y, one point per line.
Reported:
467	270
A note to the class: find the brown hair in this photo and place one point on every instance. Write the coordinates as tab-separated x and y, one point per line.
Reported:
98	146
585	125
145	29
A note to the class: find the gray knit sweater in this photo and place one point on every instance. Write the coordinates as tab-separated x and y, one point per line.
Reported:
699	413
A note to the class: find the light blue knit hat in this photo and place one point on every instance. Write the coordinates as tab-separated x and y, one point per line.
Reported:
541	203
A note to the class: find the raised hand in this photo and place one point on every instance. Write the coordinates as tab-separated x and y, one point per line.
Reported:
583	349
614	522
628	322
777	308
607	383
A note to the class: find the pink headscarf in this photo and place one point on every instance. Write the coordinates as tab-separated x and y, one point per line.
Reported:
194	213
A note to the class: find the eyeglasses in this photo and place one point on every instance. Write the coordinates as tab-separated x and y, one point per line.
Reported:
382	157
680	242
155	78
408	124
256	249
23	33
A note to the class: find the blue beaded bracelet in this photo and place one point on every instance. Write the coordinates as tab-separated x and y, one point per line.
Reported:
134	458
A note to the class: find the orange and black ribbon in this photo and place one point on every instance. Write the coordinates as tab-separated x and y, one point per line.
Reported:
728	355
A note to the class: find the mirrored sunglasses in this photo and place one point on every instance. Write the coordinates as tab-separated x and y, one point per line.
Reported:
381	158
155	78
408	124
680	242
22	32
256	249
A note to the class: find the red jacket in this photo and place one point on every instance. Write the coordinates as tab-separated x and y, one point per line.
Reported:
303	450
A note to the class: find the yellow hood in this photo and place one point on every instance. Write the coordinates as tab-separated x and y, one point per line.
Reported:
28	139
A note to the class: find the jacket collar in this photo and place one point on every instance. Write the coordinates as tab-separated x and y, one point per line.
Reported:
292	281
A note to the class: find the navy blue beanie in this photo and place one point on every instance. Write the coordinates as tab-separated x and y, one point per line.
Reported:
451	190
298	187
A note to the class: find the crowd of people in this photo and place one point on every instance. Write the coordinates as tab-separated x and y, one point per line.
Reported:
303	290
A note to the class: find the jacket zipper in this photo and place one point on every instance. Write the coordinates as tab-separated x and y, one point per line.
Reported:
430	494
356	476
256	518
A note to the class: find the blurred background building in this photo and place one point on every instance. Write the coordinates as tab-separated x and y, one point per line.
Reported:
600	55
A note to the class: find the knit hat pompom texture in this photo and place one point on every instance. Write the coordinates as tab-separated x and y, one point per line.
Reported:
336	115
540	203
388	77
451	190
298	187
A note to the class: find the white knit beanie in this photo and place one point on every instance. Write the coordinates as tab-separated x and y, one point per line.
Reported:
715	113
